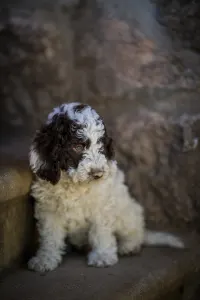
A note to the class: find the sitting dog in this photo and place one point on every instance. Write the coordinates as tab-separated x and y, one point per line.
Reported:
80	193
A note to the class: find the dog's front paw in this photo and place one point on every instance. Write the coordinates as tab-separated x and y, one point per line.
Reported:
42	264
97	259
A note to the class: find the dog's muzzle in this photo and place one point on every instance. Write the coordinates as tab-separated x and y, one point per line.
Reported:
96	173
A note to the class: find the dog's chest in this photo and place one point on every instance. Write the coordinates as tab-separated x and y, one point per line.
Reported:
82	208
78	219
72	203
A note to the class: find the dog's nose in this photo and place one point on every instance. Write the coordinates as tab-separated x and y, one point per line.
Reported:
96	173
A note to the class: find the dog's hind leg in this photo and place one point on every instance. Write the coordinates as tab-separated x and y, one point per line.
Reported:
129	243
104	247
130	231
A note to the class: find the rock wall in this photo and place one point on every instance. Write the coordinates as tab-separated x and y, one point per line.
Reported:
81	50
113	55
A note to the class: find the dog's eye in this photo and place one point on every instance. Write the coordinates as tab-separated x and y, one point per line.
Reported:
74	127
78	148
101	150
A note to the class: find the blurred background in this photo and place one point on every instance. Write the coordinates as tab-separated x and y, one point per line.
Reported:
137	62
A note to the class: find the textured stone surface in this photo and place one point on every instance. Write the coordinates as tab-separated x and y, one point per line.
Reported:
182	20
15	177
16	209
159	151
78	50
153	275
16	230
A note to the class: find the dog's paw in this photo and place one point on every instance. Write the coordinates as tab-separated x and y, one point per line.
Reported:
96	259
43	264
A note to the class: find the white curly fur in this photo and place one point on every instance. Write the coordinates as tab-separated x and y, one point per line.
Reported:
100	213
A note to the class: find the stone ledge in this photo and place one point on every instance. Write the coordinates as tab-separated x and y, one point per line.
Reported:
16	211
154	274
14	181
16	231
15	175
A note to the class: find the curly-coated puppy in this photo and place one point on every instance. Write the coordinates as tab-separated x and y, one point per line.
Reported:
80	193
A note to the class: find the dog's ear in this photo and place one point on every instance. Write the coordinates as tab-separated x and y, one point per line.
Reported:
109	147
44	154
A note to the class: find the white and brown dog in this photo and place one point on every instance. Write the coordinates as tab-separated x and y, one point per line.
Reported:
80	193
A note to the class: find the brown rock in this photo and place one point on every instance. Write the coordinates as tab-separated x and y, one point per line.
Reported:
181	18
15	178
16	230
161	173
16	209
80	51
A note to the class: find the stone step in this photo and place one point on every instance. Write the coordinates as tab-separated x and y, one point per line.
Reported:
16	209
157	273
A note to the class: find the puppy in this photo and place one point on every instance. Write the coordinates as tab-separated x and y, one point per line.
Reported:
80	193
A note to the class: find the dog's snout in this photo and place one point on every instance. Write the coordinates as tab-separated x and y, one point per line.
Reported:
96	173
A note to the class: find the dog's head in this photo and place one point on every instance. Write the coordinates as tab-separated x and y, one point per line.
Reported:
73	140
